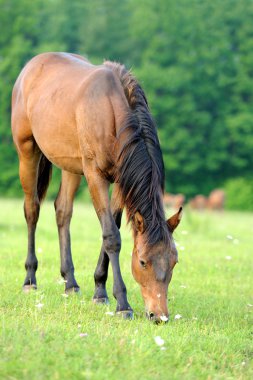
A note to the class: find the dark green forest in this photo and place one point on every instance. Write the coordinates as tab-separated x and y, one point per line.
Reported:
194	59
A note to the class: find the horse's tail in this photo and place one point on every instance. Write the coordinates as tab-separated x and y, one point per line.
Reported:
44	176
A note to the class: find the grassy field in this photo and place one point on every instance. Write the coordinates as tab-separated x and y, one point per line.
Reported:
45	335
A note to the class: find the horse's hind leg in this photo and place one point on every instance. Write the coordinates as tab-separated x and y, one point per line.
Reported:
63	208
30	156
101	272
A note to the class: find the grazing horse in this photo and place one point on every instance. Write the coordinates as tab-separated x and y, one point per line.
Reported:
95	121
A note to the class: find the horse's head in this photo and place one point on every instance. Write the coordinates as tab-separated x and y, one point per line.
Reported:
152	268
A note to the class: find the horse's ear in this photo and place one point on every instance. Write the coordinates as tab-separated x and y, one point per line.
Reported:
174	220
139	222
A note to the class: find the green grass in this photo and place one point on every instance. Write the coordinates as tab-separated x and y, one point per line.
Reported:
211	289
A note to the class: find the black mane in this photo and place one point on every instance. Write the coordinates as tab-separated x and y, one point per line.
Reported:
140	169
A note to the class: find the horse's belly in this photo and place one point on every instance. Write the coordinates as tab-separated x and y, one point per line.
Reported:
70	164
60	145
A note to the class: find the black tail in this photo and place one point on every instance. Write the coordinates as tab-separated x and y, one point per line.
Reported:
44	176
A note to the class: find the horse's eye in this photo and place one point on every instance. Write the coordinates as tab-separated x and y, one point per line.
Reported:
143	264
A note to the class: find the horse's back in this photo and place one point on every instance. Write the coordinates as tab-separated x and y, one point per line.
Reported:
43	66
44	71
43	76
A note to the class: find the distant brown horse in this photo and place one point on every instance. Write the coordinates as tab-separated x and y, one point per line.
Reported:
199	202
216	200
173	200
95	121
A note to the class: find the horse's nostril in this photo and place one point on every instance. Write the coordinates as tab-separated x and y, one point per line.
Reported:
151	315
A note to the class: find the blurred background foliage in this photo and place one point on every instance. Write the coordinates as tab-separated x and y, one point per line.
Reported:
194	59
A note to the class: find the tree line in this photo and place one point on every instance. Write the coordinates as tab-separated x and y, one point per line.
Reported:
194	59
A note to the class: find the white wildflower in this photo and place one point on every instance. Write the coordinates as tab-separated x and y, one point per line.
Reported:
183	286
39	305
178	316
182	248
228	257
61	281
39	250
184	232
230	237
109	313
65	295
83	335
159	341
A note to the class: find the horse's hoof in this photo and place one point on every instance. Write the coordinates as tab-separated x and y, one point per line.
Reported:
29	288
101	301
73	290
125	314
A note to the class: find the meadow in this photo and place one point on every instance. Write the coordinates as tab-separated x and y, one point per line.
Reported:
46	335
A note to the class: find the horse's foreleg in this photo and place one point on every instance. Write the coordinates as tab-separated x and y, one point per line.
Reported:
101	272
63	209
99	187
28	168
100	278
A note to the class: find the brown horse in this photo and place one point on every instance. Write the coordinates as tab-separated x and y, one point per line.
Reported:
95	121
216	199
173	200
